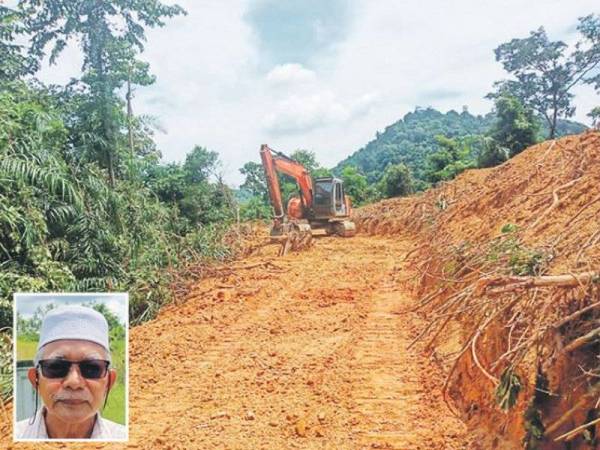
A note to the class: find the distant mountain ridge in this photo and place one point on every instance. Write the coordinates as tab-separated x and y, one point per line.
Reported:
411	139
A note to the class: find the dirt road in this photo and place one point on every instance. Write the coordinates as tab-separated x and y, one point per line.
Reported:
305	351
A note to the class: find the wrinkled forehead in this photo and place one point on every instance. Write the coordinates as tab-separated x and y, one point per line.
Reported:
73	349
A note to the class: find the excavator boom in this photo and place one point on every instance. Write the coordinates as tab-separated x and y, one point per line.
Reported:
274	162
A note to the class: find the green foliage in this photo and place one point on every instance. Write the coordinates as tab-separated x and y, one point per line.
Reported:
255	208
492	153
396	181
356	186
111	36
545	75
532	418
63	227
520	260
308	159
255	181
411	140
516	127
508	389
199	164
453	157
6	367
15	62
509	228
594	114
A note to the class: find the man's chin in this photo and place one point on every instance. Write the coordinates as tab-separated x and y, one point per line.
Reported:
73	411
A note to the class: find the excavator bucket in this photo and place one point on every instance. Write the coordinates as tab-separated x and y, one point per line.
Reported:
292	236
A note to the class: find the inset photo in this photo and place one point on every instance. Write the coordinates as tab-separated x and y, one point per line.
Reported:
71	366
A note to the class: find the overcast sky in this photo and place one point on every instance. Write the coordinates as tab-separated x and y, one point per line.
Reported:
325	75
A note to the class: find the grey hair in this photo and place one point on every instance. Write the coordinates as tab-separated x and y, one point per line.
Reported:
39	355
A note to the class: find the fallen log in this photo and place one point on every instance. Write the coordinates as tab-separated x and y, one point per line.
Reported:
501	285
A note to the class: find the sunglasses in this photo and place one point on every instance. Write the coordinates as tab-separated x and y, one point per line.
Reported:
91	369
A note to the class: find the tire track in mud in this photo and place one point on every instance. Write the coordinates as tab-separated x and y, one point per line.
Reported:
301	352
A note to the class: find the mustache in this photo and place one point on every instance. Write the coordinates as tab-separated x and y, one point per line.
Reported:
67	396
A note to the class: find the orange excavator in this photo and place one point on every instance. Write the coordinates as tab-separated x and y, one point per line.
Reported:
322	203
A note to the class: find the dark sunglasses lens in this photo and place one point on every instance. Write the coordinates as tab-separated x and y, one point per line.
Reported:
55	369
92	369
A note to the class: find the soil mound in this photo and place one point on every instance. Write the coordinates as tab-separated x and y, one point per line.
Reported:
509	277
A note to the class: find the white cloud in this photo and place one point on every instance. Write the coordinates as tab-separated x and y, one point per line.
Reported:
298	114
285	74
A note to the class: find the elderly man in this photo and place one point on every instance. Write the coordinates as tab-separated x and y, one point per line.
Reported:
72	374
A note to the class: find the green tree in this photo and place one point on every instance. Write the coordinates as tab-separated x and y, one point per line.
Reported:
255	181
13	61
255	208
544	75
199	164
307	158
355	185
397	181
516	127
595	116
491	153
453	157
111	34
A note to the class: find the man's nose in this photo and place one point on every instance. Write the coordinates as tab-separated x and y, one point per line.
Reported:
73	378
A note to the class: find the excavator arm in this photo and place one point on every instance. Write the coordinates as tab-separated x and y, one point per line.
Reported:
274	162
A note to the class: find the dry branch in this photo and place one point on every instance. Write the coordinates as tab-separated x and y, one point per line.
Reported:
566	416
501	285
569	435
555	202
576	314
581	341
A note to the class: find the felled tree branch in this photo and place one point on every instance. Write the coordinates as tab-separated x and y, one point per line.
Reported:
501	285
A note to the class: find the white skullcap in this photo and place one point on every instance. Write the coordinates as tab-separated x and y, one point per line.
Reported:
74	322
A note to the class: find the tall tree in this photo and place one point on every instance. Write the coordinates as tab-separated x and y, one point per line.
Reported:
255	181
397	181
545	75
13	60
111	34
516	127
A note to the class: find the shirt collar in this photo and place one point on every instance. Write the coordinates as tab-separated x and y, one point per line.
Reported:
39	425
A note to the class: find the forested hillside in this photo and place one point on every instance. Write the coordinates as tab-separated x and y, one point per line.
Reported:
412	139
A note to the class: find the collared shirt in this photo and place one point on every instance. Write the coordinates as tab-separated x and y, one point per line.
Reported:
104	429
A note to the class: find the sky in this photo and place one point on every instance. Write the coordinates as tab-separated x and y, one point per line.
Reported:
324	75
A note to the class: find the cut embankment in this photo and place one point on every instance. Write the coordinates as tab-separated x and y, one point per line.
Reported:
508	263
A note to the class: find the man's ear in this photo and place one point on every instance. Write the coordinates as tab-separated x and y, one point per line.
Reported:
32	375
112	378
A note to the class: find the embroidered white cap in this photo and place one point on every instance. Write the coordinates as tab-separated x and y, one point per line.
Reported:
74	322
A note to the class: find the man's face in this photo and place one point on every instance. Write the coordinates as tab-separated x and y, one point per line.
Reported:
73	398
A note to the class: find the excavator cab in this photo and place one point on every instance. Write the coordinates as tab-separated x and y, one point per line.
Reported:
330	200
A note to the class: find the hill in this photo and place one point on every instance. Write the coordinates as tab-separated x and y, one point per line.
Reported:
411	139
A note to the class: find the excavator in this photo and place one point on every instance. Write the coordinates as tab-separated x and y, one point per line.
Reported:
321	205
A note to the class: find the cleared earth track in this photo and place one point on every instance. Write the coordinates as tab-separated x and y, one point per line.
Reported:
307	351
